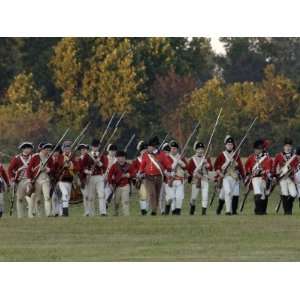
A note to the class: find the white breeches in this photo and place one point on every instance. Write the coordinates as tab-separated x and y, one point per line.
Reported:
204	193
259	186
288	187
175	194
230	188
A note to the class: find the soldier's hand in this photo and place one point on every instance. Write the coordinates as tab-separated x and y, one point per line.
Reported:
88	172
47	170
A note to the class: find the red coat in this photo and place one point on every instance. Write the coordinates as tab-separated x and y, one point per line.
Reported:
266	165
150	169
116	173
280	160
87	163
3	174
221	160
192	166
33	166
65	174
17	168
135	165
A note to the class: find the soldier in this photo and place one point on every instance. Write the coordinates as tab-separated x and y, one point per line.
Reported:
154	165
55	192
111	157
140	184
162	198
297	173
17	175
41	183
119	177
285	166
258	167
4	183
198	169
230	181
83	148
175	182
94	166
65	172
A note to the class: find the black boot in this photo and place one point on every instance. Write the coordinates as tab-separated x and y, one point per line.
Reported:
65	211
143	212
203	211
258	204
234	205
285	204
167	209
290	205
265	205
1	213
220	206
153	213
192	209
178	211
174	211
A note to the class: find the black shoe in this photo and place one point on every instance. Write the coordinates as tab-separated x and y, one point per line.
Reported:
65	211
143	212
153	213
203	211
103	215
174	212
258	204
228	214
290	205
56	215
167	209
285	204
220	206
178	211
1	214
234	205
192	209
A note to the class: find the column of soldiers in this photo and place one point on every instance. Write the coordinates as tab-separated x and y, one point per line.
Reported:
159	173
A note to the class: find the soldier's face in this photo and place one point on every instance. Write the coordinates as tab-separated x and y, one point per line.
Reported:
121	159
151	148
46	151
257	151
67	150
83	151
287	148
112	153
200	151
229	146
27	151
174	150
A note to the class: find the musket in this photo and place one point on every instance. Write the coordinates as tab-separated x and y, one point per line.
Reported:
250	180
46	161
113	134
209	142
164	140
107	128
129	142
81	135
12	199
278	206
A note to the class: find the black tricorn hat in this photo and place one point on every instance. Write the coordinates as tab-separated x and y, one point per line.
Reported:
288	141
153	141
95	143
141	146
198	145
47	146
83	146
112	147
166	147
121	153
258	144
26	145
174	144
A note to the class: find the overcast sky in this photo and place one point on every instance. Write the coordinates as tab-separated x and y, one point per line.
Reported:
217	45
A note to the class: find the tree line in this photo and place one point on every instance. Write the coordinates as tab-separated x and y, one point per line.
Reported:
165	84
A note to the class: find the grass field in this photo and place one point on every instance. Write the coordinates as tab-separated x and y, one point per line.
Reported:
162	238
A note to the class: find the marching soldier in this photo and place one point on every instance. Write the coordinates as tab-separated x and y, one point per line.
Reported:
55	192
258	169
140	184
230	181
111	157
65	171
154	166
40	184
17	176
162	198
94	167
4	183
83	148
175	181
119	177
198	169
285	166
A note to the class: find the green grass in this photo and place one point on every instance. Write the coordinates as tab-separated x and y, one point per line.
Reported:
173	238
